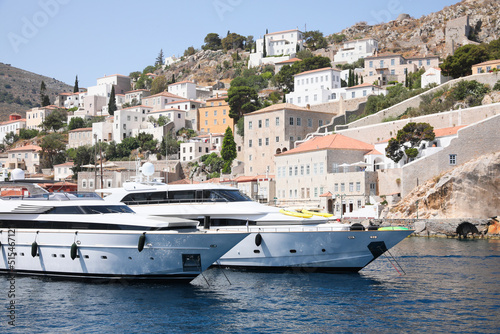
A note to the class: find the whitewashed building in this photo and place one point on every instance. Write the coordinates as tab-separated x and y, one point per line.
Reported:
63	171
315	87
159	101
279	46
127	119
14	124
433	75
185	89
356	49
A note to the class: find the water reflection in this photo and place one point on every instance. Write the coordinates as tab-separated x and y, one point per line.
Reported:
449	286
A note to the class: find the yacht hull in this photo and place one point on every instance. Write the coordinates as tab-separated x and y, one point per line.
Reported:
112	254
320	251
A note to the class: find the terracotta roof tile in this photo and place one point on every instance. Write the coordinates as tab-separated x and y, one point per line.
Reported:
26	148
331	142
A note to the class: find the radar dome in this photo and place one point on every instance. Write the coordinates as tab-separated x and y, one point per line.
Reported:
17	174
148	169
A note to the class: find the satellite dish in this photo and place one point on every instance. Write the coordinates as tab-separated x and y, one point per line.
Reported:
17	174
148	169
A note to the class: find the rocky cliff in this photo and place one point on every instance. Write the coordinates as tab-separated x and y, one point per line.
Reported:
432	33
469	190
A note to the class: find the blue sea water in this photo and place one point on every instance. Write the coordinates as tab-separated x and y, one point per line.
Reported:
450	286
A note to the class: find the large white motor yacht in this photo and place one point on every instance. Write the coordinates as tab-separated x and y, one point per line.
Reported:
278	239
82	236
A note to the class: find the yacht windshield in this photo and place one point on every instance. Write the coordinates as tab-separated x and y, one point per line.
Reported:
95	209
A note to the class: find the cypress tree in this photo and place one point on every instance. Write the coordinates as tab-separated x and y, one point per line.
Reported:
357	80
75	88
264	51
228	150
112	102
44	98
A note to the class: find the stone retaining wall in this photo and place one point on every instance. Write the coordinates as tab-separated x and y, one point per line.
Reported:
443	228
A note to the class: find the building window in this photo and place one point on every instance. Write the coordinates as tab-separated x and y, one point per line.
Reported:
309	122
308	169
291	120
267	122
277	139
250	125
260	141
335	168
336	187
277	121
370	63
301	169
215	112
267	141
296	168
315	169
260	123
250	143
84	184
290	171
453	159
342	187
393	62
428	62
321	169
359	203
299	121
320	122
351	187
358	186
353	95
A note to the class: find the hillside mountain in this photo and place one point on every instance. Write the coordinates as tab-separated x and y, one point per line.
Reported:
20	90
469	190
427	34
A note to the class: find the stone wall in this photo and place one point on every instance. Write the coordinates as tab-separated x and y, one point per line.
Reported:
388	181
472	142
384	131
398	109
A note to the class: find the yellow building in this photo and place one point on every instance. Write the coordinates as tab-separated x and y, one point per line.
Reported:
486	67
214	118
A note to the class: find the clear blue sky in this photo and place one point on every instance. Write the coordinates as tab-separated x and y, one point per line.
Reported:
90	38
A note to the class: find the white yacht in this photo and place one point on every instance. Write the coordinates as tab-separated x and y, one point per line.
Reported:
279	239
82	236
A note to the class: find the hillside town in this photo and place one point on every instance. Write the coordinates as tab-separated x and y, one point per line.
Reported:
311	141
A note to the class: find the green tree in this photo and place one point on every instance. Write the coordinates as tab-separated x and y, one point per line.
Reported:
212	42
408	140
212	164
470	91
53	150
233	41
159	84
186	133
134	75
159	59
10	138
28	133
112	102
228	150
44	98
249	43
75	87
460	64
55	120
304	54
147	142
189	51
82	155
171	144
241	100
314	40
76	123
